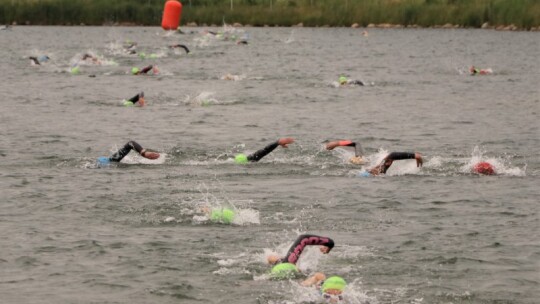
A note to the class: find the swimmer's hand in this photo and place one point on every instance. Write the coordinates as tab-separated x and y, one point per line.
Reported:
285	141
149	154
331	145
357	160
375	170
419	160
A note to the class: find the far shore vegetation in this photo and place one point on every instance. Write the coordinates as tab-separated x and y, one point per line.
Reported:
516	14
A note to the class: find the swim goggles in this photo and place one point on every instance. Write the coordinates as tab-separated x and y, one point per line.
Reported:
329	297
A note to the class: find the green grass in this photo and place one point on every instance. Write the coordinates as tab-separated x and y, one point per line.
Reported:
468	13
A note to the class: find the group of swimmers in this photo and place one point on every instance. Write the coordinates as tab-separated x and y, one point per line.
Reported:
331	288
89	58
381	168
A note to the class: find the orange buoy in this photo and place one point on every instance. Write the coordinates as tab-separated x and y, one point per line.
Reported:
171	15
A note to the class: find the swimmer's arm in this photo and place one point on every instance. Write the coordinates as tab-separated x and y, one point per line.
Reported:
149	154
340	143
255	157
146	69
389	159
358	150
405	155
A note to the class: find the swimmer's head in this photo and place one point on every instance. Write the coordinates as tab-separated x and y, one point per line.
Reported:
43	58
284	271
153	56
364	174
357	160
484	168
134	71
75	70
342	80
241	159
142	55
224	215
103	161
333	285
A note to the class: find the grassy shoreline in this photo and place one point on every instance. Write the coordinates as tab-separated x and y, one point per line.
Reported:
499	14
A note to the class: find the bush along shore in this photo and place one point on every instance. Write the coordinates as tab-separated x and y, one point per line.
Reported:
497	14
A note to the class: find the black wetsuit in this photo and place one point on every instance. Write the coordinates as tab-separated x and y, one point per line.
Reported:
35	60
257	156
180	46
131	145
358	150
301	242
355	82
390	158
146	69
136	98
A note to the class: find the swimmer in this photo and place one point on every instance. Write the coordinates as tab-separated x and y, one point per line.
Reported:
255	157
145	70
38	60
232	77
344	81
131	48
330	288
390	158
484	168
358	151
219	215
93	59
475	71
137	100
294	252
242	41
180	46
120	154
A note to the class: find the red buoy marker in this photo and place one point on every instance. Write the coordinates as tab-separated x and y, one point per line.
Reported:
171	15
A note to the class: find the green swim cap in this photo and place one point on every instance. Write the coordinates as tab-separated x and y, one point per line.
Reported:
342	79
75	70
127	103
134	71
241	159
153	56
142	55
334	282
284	271
224	215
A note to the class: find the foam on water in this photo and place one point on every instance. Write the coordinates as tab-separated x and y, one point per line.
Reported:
502	165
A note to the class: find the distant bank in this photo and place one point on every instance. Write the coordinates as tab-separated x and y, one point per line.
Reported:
498	14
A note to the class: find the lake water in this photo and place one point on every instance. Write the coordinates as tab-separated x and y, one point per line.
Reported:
133	233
